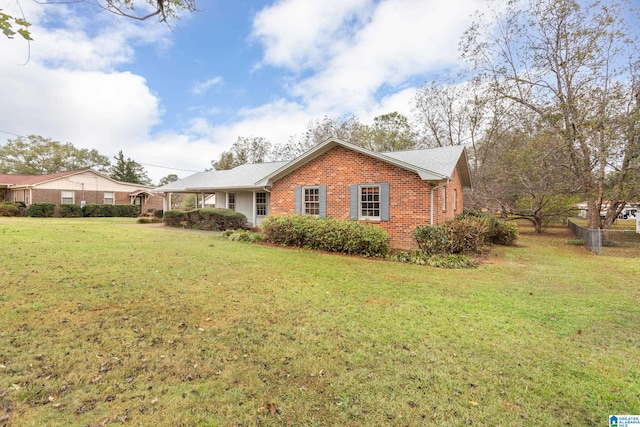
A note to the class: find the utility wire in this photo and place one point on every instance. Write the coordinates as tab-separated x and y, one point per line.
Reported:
143	164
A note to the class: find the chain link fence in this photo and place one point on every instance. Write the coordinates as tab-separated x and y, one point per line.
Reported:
596	239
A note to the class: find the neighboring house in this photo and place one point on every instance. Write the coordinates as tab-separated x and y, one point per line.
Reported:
630	210
397	190
77	187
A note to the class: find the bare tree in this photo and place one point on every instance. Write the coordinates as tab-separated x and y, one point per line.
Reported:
568	63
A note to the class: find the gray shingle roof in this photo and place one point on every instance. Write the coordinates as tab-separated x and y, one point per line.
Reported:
244	176
431	164
441	160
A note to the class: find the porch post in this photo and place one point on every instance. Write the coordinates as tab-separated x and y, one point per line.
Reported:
255	209
202	203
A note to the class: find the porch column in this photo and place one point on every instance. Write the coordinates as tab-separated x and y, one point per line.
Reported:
202	203
255	209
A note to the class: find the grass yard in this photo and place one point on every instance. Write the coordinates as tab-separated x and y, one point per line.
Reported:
109	322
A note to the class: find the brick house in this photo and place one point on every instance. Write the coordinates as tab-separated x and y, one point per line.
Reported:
77	187
396	190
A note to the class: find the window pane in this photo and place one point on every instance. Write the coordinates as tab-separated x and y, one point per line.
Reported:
261	204
370	202
311	204
67	197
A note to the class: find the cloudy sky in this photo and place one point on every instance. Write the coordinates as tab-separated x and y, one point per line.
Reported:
177	97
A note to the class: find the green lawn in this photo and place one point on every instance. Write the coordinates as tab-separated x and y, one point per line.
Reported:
105	321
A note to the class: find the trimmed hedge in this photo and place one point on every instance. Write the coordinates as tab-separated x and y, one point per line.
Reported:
41	210
9	209
327	234
68	210
206	219
96	210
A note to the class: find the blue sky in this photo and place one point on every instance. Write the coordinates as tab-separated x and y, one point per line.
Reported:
179	97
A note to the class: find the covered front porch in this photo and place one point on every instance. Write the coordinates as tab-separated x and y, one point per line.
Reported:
252	203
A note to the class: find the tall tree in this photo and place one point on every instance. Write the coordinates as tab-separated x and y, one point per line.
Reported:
172	177
254	149
163	9
391	132
574	65
127	170
527	175
36	155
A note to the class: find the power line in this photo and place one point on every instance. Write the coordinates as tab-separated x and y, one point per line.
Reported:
11	133
144	164
167	167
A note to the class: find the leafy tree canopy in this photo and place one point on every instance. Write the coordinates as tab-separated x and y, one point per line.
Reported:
172	177
255	149
36	155
127	170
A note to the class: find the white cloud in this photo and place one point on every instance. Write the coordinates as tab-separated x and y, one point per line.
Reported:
298	33
404	39
201	87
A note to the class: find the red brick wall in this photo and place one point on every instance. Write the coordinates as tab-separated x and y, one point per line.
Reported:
409	196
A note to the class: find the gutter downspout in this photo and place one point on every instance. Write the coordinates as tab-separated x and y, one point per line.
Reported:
433	189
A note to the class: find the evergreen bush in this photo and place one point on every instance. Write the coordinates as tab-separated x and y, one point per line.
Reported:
41	210
206	219
69	210
328	234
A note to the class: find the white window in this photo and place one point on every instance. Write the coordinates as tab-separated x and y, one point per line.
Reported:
109	198
67	197
455	200
311	201
231	201
369	202
261	204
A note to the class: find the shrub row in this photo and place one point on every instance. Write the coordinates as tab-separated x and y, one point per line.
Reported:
328	234
206	219
95	210
467	234
47	210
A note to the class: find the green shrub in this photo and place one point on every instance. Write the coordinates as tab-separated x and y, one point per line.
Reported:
146	220
97	210
9	209
241	236
440	261
127	211
41	210
206	219
175	218
158	213
222	219
68	210
451	261
432	240
328	234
